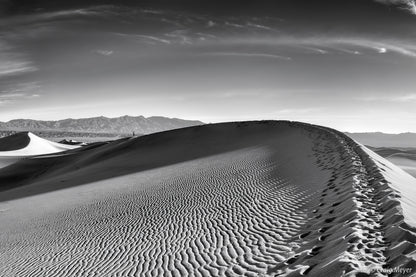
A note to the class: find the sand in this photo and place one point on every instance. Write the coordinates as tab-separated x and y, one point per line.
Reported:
405	158
235	199
34	146
26	144
405	163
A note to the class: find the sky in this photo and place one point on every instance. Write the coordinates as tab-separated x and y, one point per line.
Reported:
349	65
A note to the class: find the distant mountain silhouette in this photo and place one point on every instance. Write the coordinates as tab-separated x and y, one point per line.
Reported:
378	139
121	125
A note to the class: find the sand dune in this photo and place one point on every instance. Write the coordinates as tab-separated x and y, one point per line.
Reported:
405	162
15	147
32	145
235	199
405	158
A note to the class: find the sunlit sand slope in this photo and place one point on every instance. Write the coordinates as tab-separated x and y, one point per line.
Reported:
234	199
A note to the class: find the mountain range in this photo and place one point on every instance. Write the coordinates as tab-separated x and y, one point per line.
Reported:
126	125
378	139
122	125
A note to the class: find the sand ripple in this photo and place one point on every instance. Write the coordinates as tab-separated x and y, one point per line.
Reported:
307	202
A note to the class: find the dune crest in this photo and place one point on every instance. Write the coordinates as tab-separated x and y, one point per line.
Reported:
35	146
27	144
235	199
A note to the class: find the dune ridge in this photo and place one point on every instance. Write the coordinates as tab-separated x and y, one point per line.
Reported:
26	144
235	199
14	142
32	145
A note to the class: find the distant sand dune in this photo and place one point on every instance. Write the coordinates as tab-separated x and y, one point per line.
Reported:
235	199
405	158
26	144
14	142
406	163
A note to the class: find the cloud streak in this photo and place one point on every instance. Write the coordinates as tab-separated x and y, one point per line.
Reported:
409	5
146	38
15	67
249	55
48	16
13	63
403	98
104	52
326	44
6	99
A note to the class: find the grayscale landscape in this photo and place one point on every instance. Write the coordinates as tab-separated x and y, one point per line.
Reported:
207	138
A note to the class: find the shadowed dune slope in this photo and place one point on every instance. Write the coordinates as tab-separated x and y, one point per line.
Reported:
14	142
235	199
40	174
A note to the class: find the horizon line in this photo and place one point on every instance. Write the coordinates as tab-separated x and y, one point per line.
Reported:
214	122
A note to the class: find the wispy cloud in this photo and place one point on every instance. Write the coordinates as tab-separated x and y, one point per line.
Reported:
382	50
146	38
314	49
357	45
324	44
47	16
12	62
104	52
381	46
15	67
409	5
259	26
297	111
154	39
403	98
249	55
14	97
236	25
238	93
181	36
406	98
24	89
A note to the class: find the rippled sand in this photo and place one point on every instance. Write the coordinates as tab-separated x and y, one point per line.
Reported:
237	199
